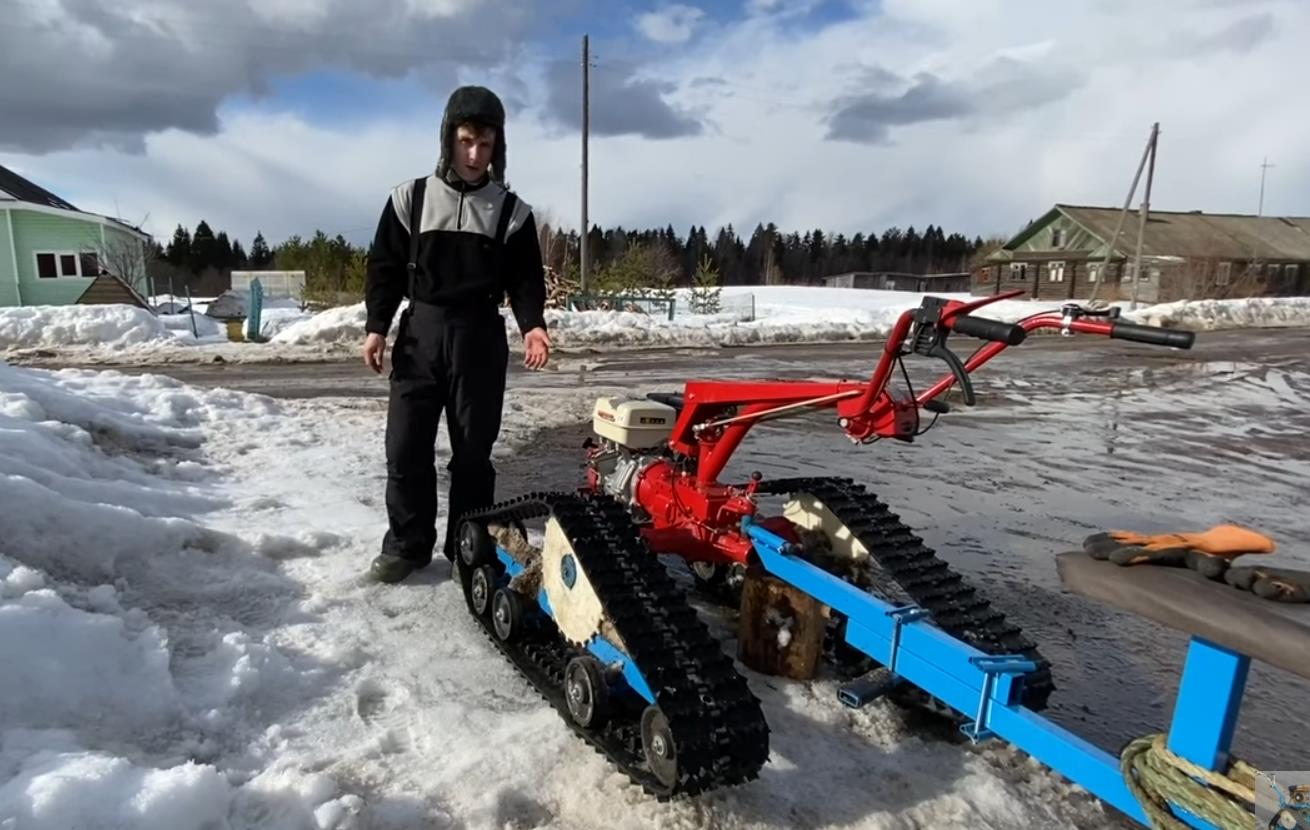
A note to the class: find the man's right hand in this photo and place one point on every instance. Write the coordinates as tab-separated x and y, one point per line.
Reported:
375	347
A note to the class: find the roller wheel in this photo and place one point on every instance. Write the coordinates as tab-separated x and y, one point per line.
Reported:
721	583
482	587
585	692
709	576
507	614
476	547
657	743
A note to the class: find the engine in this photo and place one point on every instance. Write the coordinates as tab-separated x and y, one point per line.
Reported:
632	433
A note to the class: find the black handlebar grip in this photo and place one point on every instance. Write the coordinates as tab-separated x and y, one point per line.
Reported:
1154	335
981	327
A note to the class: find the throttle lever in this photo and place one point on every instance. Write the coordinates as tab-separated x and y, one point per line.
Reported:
938	349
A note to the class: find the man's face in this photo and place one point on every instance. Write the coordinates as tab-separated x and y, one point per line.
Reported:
473	148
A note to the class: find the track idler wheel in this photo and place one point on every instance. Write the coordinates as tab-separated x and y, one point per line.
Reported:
476	547
507	613
585	692
482	587
657	744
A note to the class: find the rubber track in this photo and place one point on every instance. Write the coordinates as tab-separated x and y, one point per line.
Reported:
717	723
911	570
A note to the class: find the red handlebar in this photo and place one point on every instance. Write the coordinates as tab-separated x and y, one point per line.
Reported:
874	407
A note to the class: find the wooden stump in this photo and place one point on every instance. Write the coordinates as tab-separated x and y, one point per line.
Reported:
781	628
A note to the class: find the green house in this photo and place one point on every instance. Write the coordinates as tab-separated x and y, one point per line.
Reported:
52	253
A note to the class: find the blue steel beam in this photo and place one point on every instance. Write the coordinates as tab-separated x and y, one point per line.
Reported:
970	681
1213	681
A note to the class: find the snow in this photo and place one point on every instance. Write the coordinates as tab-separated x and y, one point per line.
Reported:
190	643
109	327
1213	315
781	314
343	324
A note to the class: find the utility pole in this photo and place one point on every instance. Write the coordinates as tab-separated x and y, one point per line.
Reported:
586	117
1123	215
1145	209
1264	166
1259	212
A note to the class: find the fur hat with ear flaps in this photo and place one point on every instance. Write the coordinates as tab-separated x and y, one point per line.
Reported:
478	105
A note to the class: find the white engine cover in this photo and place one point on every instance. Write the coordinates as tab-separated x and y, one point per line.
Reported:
635	423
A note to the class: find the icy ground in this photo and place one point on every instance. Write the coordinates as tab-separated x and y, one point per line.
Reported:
782	314
188	644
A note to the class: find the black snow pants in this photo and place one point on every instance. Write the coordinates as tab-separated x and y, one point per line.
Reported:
444	360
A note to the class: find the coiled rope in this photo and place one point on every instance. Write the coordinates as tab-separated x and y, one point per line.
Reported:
1158	778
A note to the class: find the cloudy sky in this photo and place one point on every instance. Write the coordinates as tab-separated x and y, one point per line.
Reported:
292	115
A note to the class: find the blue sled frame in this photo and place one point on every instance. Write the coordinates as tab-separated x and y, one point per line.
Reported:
987	687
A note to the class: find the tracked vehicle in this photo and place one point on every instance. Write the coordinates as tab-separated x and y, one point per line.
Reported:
596	623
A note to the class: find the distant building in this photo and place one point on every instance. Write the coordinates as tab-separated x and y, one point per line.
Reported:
1185	255
51	253
273	284
895	281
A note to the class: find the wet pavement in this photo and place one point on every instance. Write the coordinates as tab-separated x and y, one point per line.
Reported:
1069	437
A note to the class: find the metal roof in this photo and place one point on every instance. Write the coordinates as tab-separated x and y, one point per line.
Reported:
26	191
1197	234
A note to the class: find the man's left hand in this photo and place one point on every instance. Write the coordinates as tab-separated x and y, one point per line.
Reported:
536	348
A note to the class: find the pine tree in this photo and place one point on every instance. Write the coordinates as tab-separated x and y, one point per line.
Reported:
705	291
260	255
179	249
204	248
222	252
240	261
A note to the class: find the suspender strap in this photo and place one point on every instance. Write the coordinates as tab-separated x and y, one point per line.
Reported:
506	214
415	220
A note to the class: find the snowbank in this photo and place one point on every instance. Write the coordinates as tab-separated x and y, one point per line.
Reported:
206	329
1213	315
340	325
110	327
120	618
781	314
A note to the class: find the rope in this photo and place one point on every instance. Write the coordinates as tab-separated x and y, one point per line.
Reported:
1157	778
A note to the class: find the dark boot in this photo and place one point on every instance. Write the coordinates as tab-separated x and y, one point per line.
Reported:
388	568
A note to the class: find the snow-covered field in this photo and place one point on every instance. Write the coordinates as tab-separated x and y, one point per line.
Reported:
189	643
781	314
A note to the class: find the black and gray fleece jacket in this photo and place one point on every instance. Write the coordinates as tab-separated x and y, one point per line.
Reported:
459	263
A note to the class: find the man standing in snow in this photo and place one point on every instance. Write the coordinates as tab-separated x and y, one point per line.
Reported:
455	243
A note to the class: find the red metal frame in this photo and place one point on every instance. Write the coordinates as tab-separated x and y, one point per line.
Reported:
696	517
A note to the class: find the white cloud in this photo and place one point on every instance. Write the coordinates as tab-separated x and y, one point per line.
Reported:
1046	108
670	24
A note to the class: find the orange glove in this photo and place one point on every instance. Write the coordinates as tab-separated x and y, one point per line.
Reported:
1220	540
1208	553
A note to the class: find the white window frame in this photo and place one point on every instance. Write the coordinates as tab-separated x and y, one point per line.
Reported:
1052	273
1224	273
1020	268
1057	237
59	270
1094	271
1291	271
